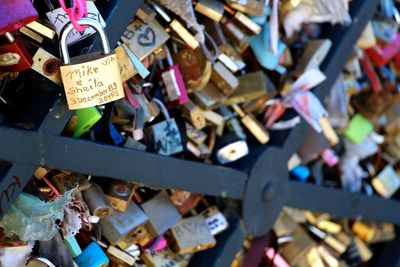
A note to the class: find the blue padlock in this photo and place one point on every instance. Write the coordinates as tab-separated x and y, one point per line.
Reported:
92	256
301	172
260	44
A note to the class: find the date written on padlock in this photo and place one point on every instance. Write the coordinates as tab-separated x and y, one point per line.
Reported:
91	79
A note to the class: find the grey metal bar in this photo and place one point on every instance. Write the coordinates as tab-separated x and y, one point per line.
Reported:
342	203
13	183
57	118
126	164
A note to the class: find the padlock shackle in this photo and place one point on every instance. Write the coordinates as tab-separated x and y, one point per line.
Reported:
105	45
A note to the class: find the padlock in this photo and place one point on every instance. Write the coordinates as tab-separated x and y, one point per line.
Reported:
284	225
211	9
144	38
313	55
178	28
374	232
161	212
252	7
260	45
190	235
137	64
165	258
119	256
387	182
193	114
59	18
233	32
382	55
119	225
296	250
327	256
119	194
201	151
253	125
65	182
91	79
86	118
369	70
40	28
47	65
230	148
15	14
208	98
215	220
92	256
13	54
140	235
195	135
332	242
252	86
164	136
224	79
244	22
197	68
173	82
97	202
145	13
232	124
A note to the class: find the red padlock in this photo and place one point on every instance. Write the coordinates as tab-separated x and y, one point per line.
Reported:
369	70
381	55
15	14
13	55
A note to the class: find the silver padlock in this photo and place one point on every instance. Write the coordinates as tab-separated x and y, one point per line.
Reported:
59	18
92	79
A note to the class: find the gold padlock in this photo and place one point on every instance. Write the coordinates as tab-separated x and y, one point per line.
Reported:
92	79
190	235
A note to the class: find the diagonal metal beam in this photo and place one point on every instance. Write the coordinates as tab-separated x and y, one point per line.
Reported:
228	244
342	203
343	40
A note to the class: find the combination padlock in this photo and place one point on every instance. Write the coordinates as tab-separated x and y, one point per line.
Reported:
91	79
59	18
13	55
15	14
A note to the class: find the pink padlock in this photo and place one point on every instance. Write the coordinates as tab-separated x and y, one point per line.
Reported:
16	14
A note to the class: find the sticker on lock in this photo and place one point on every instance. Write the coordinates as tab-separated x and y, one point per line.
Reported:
59	19
9	59
92	79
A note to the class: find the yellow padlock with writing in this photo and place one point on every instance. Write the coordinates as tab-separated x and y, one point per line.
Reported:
91	79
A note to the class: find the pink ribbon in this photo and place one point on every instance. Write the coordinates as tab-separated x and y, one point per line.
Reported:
78	11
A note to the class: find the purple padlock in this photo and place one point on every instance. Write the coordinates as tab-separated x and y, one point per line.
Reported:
16	14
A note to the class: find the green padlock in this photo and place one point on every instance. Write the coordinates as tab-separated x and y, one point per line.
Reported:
359	127
86	118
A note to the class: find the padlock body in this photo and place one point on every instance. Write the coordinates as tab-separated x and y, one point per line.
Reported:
59	18
15	14
182	96
165	137
14	57
91	80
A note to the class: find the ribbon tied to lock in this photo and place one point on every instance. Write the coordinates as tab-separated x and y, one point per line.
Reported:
301	99
76	12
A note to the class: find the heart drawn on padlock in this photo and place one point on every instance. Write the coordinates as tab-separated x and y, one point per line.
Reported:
147	37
